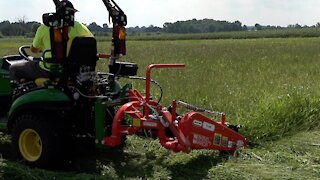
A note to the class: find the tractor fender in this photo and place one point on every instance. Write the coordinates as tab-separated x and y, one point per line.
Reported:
42	100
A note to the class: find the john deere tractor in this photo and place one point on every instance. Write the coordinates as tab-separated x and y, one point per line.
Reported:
46	115
43	116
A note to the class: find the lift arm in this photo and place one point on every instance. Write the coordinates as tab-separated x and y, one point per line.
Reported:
119	21
56	2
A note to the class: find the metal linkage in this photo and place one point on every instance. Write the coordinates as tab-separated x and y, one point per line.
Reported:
155	112
197	109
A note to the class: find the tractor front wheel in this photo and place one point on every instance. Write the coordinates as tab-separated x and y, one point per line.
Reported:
37	140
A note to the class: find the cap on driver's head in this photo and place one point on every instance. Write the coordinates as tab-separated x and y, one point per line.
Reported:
68	5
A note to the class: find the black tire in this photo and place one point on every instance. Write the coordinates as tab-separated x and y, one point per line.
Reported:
38	140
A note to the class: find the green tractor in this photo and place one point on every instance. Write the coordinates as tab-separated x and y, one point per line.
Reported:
47	115
44	116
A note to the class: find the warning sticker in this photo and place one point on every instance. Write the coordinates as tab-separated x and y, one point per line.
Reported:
204	125
224	141
150	124
217	139
208	126
201	140
197	123
136	122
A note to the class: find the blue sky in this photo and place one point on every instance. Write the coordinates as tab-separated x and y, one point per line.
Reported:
157	12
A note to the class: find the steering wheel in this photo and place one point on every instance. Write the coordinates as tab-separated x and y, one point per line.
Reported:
23	53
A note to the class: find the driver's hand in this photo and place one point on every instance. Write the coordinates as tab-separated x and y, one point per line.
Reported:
35	50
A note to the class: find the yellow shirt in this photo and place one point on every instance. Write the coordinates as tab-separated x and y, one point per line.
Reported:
42	39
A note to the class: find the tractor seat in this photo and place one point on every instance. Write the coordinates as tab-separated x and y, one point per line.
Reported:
83	52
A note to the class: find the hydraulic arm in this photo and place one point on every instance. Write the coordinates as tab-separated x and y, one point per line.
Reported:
119	21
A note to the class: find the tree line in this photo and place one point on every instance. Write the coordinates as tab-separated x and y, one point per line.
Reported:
23	28
18	28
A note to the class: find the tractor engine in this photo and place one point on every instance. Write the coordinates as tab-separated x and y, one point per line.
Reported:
103	84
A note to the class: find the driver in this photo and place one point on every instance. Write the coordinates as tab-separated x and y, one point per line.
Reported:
31	70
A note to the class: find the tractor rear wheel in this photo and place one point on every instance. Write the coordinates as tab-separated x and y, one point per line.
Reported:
37	140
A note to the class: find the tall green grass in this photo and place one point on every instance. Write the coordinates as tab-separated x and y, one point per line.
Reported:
283	116
270	86
276	33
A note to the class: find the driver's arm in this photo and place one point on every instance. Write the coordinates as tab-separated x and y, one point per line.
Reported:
38	43
35	50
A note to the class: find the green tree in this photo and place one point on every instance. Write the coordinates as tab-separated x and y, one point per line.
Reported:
258	27
105	27
94	27
202	26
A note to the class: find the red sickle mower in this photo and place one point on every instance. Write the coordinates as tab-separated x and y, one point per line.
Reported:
190	131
